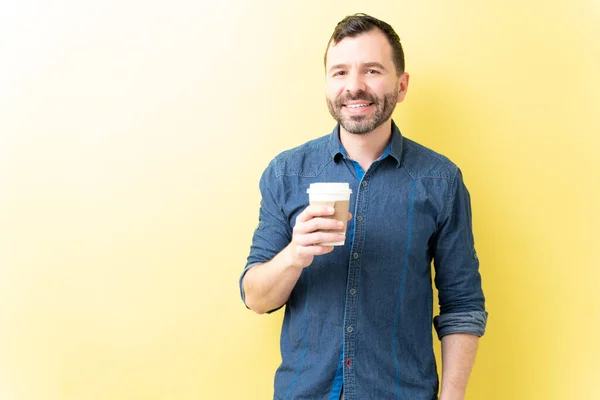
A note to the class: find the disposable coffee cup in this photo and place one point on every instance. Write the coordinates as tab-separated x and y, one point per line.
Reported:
332	194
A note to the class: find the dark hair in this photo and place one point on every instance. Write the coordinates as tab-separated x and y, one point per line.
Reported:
357	24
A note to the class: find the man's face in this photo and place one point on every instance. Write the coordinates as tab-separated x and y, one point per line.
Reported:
362	84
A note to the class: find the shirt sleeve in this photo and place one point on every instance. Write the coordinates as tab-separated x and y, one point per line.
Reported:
457	278
274	231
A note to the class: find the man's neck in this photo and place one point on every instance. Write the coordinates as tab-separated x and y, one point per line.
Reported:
368	147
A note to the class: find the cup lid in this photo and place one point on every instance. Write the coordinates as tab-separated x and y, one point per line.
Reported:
329	187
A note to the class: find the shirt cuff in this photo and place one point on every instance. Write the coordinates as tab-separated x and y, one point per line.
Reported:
473	322
242	293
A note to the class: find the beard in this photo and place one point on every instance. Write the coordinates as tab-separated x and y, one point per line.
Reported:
362	124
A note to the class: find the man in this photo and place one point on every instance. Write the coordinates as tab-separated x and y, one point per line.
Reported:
358	318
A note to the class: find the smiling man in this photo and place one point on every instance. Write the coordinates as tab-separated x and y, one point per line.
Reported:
358	318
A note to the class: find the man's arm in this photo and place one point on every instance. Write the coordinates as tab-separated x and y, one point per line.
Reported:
462	319
268	286
458	357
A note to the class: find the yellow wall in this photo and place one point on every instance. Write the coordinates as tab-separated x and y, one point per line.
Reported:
132	137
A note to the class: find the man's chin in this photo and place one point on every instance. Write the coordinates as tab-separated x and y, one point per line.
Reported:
356	129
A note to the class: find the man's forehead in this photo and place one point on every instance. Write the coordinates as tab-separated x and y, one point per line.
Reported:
371	46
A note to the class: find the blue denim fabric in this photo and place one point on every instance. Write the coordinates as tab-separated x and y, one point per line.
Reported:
373	297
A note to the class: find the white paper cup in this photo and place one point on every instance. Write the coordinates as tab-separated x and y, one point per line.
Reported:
333	194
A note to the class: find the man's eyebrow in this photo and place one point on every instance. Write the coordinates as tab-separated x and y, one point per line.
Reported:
365	65
374	64
338	66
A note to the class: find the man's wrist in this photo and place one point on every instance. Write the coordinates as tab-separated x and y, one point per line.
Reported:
452	396
288	258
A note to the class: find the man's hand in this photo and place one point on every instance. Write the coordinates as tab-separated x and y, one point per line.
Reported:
268	286
310	231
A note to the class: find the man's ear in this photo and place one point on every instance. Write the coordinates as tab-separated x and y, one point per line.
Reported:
402	86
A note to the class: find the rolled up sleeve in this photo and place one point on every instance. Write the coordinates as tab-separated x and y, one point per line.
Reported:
273	232
457	277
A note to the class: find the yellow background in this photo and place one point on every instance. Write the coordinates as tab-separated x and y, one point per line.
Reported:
132	137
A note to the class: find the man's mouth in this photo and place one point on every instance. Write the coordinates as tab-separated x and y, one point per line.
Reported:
358	105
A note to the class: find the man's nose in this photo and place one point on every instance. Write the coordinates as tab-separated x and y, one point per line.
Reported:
355	83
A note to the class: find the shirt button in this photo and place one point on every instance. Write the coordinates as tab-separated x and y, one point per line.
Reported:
350	329
352	291
359	218
364	183
355	255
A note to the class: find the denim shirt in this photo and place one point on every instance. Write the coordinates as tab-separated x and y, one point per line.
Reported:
362	314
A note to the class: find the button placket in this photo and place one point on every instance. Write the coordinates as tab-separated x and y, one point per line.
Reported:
350	321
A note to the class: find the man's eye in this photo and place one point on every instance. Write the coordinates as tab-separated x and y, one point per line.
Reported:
372	71
339	73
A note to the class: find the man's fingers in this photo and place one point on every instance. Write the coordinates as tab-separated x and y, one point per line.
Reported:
317	250
312	239
311	212
319	224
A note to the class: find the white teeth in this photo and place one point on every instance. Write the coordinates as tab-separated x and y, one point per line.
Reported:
357	105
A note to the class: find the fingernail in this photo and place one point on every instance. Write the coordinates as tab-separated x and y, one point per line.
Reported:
340	224
330	209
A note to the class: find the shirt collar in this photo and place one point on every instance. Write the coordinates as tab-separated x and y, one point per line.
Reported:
394	148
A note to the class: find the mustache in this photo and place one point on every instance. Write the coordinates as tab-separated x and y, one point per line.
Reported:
354	97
